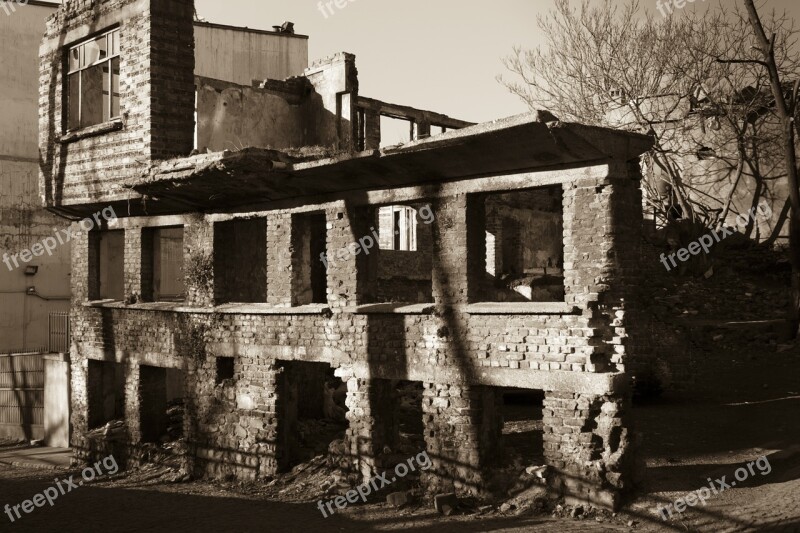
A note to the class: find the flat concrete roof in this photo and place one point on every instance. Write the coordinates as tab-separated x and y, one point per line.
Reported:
508	146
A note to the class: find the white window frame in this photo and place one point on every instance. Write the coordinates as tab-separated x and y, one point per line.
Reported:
79	64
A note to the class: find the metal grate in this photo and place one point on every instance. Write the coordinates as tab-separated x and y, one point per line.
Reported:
59	332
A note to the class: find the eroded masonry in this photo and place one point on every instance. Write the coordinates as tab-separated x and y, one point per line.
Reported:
279	258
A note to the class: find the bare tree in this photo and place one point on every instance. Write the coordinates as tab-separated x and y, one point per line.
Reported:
785	108
610	64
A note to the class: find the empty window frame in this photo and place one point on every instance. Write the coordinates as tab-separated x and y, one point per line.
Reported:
111	264
105	392
524	246
93	81
168	283
397	228
225	369
240	261
309	246
396	130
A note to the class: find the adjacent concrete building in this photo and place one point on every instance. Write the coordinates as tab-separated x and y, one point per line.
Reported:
34	282
29	291
268	250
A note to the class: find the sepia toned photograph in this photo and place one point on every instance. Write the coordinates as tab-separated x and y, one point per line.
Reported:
434	266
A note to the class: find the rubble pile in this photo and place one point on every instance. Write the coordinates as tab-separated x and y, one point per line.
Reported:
175	413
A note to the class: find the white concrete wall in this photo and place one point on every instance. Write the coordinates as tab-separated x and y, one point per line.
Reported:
23	222
241	56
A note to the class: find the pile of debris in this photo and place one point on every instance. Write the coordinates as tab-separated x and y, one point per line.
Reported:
114	430
175	413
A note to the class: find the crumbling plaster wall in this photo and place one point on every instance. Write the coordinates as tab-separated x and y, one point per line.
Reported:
311	110
232	117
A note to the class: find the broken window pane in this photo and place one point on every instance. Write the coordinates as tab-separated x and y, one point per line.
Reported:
75	58
92	96
94	85
74	100
96	50
115	87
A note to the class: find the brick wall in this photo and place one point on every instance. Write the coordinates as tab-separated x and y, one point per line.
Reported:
156	98
462	355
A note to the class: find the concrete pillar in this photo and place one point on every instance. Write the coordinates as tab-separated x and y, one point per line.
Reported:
56	400
423	129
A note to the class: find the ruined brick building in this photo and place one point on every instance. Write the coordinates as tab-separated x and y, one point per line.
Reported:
240	279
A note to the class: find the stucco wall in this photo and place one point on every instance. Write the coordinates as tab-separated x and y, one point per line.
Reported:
23	222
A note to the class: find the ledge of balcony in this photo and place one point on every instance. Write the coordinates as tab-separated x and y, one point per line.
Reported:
392	308
522	308
232	308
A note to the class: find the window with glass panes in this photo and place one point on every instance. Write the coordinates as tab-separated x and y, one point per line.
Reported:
93	81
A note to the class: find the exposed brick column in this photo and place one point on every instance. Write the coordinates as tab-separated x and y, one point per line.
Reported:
279	262
85	251
132	401
587	239
372	413
588	442
248	448
79	404
198	261
622	304
458	249
138	265
172	87
372	130
350	231
602	236
463	431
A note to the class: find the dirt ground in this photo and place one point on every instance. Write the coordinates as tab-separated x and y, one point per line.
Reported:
749	409
754	413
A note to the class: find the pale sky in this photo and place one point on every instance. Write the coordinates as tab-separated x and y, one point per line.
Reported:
441	55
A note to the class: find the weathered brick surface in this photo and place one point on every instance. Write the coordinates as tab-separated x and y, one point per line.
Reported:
240	426
156	97
463	432
588	440
233	427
